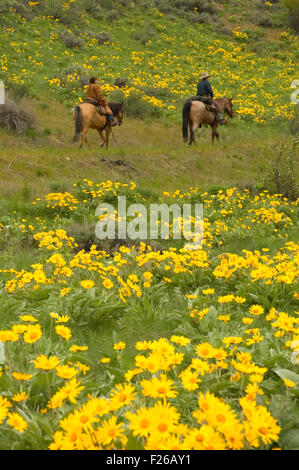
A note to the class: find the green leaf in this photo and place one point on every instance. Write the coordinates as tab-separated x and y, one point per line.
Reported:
40	385
289	440
287	374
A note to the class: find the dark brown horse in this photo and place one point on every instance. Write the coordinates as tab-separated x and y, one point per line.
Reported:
195	114
87	117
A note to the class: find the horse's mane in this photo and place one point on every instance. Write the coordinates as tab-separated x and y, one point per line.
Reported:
115	107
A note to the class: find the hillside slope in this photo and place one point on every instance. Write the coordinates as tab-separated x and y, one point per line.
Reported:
151	59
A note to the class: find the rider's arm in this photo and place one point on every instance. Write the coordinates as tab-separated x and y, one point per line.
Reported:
211	93
99	94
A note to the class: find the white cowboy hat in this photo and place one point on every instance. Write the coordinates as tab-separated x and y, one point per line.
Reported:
205	75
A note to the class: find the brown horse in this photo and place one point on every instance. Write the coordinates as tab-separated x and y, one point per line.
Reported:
195	115
87	117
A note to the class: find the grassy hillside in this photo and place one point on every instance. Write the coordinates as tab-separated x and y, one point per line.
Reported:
160	59
52	48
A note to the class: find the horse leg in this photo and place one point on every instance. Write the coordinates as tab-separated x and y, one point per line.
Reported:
84	137
102	137
193	128
108	130
214	131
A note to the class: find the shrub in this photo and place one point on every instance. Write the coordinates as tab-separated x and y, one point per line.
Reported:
18	90
144	35
72	14
265	21
293	7
22	9
135	106
281	176
121	82
205	18
15	116
80	77
159	93
71	41
102	38
112	15
294	124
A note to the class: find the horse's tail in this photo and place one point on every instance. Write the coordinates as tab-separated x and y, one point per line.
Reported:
186	113
78	123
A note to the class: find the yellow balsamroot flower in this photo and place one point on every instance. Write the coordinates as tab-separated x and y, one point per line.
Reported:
69	391
107	283
110	432
105	360
82	367
208	291
181	340
8	335
5	403
143	345
261	426
247	321
121	395
32	333
66	372
20	397
256	338
256	310
200	313
225	298
232	340
252	390
17	422
190	380
131	373
54	315
224	318
256	378
148	275
161	387
45	363
65	291
3	413
63	331
28	318
205	350
87	284
289	383
204	438
119	346
140	422
76	348
62	319
20	376
239	300
19	329
166	417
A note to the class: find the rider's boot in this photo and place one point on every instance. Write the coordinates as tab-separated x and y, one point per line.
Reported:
111	121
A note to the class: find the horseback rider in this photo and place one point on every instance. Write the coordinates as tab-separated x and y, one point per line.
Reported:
204	89
94	95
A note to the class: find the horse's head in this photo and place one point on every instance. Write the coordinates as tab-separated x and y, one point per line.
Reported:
120	114
228	107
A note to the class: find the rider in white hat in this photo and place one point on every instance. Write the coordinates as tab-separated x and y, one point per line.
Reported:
204	89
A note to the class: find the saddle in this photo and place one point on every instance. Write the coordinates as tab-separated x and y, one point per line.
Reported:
100	109
207	102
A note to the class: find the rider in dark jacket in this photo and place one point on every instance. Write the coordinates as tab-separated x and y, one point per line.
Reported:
205	90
